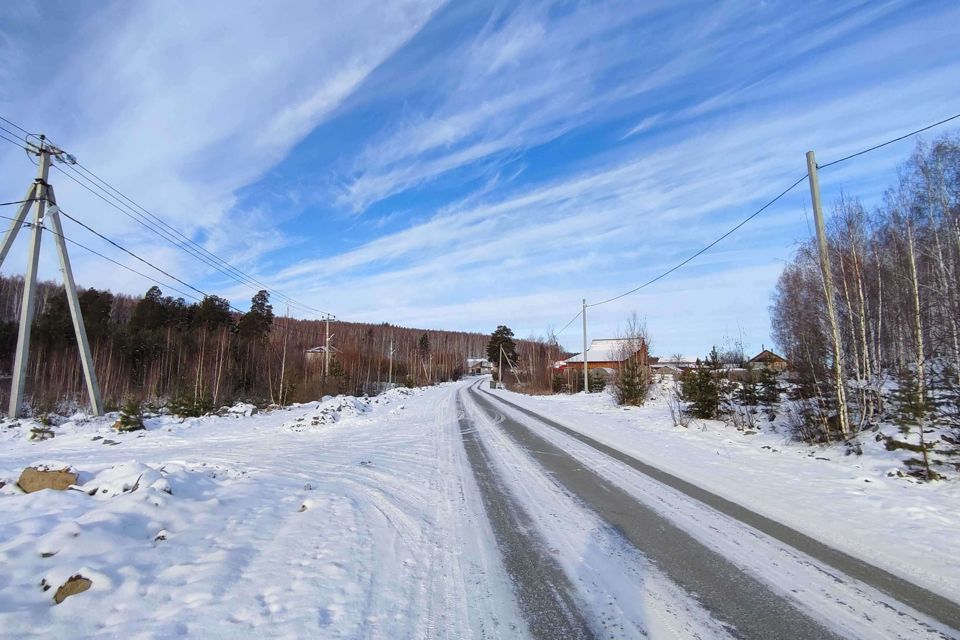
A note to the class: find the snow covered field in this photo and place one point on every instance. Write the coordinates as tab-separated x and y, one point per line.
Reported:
848	501
344	518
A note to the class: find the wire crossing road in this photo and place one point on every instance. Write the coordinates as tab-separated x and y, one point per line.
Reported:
745	604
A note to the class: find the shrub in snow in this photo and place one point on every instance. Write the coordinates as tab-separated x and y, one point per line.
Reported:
631	385
185	407
131	417
912	415
598	381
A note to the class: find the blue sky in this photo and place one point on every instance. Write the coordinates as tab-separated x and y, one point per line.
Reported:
464	165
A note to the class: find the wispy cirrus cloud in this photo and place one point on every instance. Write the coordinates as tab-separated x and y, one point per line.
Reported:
507	159
182	107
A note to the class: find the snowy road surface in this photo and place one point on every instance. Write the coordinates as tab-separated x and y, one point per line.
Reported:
937	606
434	513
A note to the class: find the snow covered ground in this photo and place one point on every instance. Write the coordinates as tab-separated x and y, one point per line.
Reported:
344	518
356	518
847	501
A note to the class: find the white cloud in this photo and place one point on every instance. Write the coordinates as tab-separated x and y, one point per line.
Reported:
181	106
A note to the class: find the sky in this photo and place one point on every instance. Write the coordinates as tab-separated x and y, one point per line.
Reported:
465	165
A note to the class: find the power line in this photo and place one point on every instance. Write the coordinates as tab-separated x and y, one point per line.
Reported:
151	222
888	142
16	126
132	254
121	210
12	141
706	248
148	277
768	204
108	259
4	204
569	323
158	226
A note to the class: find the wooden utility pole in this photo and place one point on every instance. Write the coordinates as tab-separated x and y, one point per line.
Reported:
839	378
586	367
41	193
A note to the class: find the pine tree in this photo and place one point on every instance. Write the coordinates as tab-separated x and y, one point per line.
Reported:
502	338
700	390
631	385
257	322
911	413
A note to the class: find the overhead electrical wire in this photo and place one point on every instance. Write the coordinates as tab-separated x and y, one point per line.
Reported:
109	259
126	205
126	213
706	248
891	141
140	273
763	208
569	323
771	202
119	201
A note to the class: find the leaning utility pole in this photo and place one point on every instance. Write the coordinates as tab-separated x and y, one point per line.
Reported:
828	292
41	192
586	367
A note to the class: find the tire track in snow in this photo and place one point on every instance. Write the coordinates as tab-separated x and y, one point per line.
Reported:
932	604
750	608
544	593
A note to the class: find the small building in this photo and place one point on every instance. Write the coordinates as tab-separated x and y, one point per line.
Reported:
317	354
478	366
672	365
608	355
767	359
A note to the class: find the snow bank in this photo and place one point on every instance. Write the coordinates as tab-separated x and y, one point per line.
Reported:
330	411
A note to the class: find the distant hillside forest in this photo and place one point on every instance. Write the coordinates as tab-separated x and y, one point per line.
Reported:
896	270
158	348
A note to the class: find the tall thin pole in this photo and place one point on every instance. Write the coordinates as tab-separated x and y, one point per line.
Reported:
828	292
586	367
29	287
390	374
17	221
326	351
500	369
73	301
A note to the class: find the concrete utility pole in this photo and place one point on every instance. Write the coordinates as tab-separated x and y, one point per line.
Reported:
326	350
586	367
828	292
41	192
390	370
500	369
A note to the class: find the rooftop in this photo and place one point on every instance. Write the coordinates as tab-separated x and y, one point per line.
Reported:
602	350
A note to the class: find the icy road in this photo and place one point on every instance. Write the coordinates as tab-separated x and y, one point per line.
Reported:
449	512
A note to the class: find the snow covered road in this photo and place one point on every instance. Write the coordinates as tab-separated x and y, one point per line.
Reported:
659	519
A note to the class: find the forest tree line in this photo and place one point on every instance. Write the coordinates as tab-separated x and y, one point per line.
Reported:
159	349
896	270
